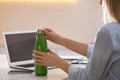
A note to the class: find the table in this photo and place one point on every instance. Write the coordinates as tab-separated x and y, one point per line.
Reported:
53	74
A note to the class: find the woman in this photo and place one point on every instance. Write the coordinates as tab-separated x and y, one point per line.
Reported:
104	56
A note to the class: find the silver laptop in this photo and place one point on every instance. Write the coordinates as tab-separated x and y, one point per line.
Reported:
19	46
66	53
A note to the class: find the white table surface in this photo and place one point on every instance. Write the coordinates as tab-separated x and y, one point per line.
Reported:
53	74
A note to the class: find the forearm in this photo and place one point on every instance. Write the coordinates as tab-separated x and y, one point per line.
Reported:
75	46
63	65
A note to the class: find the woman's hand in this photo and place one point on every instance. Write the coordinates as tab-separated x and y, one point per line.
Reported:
43	59
50	59
53	36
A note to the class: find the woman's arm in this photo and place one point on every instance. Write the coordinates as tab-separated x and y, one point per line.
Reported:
78	47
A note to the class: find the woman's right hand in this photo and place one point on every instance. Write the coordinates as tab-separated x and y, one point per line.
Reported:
53	36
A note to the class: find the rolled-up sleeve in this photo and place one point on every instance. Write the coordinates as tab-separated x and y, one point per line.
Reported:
89	50
77	73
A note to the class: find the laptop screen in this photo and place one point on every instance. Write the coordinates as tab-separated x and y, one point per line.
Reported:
20	46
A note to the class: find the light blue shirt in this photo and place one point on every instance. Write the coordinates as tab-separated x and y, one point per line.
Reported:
104	57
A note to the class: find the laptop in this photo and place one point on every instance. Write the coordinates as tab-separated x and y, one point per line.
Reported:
65	53
19	46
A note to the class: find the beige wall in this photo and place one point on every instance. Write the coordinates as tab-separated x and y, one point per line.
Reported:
78	21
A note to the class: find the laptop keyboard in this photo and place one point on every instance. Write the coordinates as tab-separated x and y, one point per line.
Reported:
27	65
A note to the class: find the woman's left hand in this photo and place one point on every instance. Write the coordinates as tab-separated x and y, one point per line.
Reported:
46	59
50	59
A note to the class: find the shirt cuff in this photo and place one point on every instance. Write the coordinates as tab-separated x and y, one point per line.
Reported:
89	50
76	73
71	72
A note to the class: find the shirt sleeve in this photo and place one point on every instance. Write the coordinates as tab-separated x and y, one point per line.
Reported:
77	73
89	51
98	65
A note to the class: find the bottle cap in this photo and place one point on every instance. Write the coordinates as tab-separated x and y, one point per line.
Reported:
40	31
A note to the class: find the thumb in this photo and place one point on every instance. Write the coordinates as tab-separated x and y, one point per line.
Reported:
46	32
51	52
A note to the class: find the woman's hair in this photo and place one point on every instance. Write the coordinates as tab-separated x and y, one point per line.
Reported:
114	9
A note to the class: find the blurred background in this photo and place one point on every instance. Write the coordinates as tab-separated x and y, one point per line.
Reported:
75	19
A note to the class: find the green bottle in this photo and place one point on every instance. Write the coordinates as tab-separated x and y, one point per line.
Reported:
41	45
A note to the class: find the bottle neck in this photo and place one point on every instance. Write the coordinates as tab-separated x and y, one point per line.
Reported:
40	31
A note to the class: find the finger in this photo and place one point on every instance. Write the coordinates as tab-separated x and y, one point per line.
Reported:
47	38
47	29
37	56
38	53
51	52
46	32
37	60
40	64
